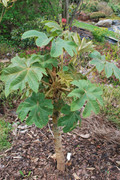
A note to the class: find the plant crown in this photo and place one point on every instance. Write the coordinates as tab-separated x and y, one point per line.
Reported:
40	77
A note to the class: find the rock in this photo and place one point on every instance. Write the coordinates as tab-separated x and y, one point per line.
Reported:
112	40
116	29
116	22
104	23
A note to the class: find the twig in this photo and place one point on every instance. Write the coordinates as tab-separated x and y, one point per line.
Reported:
90	71
50	130
43	134
64	89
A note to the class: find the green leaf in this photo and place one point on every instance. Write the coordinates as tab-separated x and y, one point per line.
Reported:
42	39
116	71
33	33
46	61
21	72
98	60
108	69
69	120
53	26
37	109
101	64
21	173
95	54
88	93
85	46
98	63
59	44
91	106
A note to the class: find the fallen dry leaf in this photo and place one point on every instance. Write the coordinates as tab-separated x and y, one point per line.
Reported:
86	136
53	157
76	176
90	168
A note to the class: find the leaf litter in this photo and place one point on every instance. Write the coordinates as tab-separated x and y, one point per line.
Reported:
95	157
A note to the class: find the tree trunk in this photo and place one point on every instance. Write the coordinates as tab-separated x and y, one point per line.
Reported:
58	143
66	10
74	13
65	6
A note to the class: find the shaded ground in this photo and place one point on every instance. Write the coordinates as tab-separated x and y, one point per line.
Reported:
96	156
82	32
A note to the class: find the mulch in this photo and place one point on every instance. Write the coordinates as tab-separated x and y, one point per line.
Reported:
32	152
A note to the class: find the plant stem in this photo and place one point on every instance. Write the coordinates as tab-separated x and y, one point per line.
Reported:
58	143
2	14
45	83
62	62
90	71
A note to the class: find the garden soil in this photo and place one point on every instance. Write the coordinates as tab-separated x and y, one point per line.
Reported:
94	148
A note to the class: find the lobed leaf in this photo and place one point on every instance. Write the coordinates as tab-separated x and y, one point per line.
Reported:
36	109
53	26
21	72
86	93
42	39
69	120
59	44
101	64
46	61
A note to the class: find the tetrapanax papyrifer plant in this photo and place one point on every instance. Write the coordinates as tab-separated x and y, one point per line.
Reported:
53	89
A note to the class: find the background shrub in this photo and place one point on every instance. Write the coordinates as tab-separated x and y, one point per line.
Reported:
97	15
115	7
23	11
105	8
17	33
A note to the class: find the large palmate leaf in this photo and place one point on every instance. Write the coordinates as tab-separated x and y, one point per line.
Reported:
86	93
53	26
37	109
59	44
42	39
69	120
46	61
22	72
101	64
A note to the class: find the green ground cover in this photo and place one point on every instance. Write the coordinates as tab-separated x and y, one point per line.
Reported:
5	128
92	28
111	108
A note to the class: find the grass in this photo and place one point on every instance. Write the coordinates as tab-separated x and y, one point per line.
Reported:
92	28
114	17
111	109
5	128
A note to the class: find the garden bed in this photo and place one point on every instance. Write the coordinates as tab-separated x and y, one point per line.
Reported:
95	149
